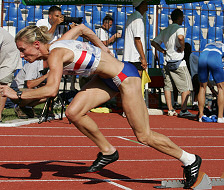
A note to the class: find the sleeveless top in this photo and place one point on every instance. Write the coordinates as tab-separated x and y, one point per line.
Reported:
86	57
215	46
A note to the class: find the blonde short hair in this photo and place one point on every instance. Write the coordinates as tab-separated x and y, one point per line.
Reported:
31	34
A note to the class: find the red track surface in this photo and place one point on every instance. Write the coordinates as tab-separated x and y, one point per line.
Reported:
55	155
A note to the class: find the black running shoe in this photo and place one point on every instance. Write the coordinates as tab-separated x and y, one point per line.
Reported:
191	172
102	161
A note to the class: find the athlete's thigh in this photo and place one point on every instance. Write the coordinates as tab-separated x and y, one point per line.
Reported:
94	93
216	67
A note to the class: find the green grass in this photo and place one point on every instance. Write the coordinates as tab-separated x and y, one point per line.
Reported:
9	114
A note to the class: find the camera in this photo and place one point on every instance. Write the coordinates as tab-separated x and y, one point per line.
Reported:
68	20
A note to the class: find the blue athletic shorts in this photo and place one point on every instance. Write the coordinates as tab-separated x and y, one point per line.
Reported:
210	61
129	70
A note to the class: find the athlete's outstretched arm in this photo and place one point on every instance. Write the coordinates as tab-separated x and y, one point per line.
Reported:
85	32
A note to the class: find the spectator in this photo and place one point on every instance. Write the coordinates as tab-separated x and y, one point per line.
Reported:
30	76
192	64
175	70
103	33
10	61
134	43
55	18
211	60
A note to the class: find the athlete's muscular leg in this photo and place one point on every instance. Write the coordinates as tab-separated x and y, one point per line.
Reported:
93	94
138	118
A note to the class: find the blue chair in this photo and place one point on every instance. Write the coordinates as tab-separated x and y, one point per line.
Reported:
97	17
165	9
105	8
194	32
112	8
215	33
163	20
119	18
34	14
79	13
201	20
186	22
189	9
21	24
13	14
150	10
208	10
219	21
127	9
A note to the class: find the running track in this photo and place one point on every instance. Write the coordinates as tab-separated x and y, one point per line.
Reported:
54	155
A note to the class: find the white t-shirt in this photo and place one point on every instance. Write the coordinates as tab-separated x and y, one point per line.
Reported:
58	31
135	27
30	71
169	37
103	35
10	59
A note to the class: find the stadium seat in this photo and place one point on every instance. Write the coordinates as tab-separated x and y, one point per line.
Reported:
208	9
21	24
186	22
34	14
163	20
13	13
194	32
89	8
119	46
105	8
189	9
97	17
128	9
219	21
201	20
79	13
215	33
119	18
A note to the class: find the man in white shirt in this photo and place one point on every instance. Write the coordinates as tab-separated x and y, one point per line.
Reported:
55	18
134	43
10	61
175	68
32	75
103	33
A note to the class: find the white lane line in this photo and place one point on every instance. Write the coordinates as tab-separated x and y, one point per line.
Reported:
124	128
72	180
143	146
70	161
67	136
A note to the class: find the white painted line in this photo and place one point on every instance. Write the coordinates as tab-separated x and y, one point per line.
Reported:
117	185
70	161
143	146
72	180
67	136
110	128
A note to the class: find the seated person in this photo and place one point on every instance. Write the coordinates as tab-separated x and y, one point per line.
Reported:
30	76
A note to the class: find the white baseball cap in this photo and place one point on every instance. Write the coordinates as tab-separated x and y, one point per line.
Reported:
136	3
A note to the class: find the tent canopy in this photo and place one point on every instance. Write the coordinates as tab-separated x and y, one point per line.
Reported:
116	2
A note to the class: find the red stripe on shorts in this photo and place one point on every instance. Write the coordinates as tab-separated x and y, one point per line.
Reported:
122	76
80	60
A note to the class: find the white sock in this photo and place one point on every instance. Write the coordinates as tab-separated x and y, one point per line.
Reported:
195	103
187	158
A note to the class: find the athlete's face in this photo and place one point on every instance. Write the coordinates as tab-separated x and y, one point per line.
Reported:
28	51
